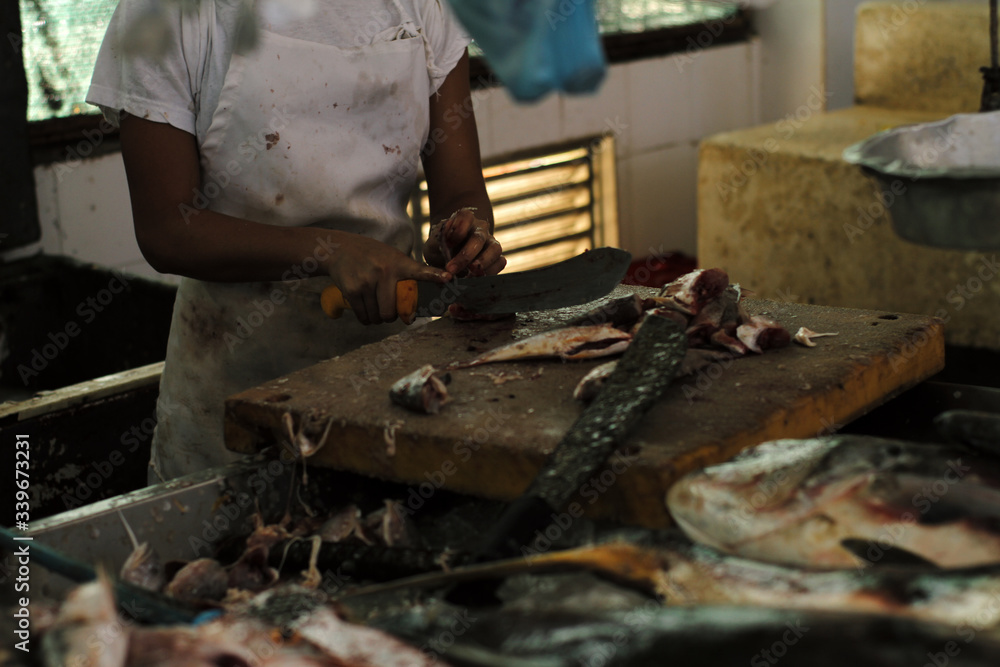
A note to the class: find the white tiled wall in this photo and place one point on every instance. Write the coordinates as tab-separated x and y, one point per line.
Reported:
658	109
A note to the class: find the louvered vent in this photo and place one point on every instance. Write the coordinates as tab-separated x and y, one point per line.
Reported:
549	205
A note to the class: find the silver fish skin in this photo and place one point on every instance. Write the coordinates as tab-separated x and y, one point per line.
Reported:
798	502
423	391
586	342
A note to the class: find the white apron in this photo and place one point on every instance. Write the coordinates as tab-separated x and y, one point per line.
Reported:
304	134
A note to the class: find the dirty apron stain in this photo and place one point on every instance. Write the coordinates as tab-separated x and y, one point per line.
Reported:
305	134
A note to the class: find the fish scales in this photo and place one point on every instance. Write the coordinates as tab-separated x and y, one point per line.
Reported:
637	382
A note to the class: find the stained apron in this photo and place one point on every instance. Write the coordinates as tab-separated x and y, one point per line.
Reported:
305	134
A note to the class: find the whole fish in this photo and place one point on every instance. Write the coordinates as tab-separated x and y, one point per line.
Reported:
846	501
585	342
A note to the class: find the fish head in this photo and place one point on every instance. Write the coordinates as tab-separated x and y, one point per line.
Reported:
756	492
143	568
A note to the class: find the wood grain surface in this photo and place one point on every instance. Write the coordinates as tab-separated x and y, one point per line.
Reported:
504	419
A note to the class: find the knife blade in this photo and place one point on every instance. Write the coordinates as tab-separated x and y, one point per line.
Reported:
571	282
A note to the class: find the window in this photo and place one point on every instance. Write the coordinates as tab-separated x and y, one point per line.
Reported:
548	205
62	37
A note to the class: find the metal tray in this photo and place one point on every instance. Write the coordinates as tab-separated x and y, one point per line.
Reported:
940	181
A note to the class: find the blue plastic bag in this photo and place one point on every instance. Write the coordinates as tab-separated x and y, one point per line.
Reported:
537	46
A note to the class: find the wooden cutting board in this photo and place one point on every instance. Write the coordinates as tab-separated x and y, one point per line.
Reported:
504	419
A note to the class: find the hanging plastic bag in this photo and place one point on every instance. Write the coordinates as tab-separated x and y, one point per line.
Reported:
537	46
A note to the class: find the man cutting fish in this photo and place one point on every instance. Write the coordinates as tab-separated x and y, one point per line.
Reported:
261	176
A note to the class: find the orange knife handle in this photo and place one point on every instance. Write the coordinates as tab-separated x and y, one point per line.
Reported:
334	304
406	300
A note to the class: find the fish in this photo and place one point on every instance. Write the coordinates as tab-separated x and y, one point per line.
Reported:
584	342
424	390
591	383
622	313
88	612
974	428
805	337
341	525
143	567
690	293
762	333
812	502
667	566
694	360
252	572
200	580
392	527
304	612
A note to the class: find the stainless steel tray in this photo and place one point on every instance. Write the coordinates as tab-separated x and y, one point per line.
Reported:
940	181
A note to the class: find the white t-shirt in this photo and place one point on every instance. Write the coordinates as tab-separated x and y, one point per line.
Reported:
181	85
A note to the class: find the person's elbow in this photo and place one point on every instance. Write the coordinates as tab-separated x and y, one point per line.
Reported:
159	245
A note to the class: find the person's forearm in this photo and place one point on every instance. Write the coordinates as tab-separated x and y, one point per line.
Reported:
220	248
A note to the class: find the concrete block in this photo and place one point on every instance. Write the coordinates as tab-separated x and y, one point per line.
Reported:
789	219
922	55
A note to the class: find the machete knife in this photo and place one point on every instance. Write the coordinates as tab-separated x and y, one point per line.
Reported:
574	281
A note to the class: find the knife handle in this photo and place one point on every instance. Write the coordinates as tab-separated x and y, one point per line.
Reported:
334	304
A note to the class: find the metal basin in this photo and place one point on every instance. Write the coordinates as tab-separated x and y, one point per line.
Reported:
940	181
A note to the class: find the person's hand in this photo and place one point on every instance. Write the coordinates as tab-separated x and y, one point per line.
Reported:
366	271
463	245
